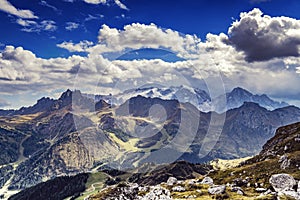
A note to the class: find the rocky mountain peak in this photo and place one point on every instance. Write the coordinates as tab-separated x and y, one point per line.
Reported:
240	92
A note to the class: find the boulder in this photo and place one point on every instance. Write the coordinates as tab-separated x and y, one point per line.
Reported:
207	180
217	189
171	181
240	192
282	182
290	193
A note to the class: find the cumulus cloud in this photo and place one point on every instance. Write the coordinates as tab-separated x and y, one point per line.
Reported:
205	60
21	70
82	46
33	26
136	35
71	26
262	37
10	9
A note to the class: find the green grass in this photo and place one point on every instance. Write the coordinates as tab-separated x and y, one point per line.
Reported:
95	178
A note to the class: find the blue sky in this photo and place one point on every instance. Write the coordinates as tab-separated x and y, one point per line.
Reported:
65	35
192	16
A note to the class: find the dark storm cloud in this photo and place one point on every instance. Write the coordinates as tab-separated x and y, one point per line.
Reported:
262	38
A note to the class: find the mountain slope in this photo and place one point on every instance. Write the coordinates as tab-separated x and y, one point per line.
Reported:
182	180
280	155
69	136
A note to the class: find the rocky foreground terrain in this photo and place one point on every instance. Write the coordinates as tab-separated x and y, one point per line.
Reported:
273	174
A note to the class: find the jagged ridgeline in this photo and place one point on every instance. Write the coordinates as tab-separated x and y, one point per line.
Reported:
75	133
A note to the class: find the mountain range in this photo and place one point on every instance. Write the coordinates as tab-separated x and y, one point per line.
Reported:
74	134
272	174
198	97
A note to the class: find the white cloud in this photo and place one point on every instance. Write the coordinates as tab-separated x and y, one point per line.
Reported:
136	35
48	25
121	5
106	2
79	47
22	70
92	17
71	26
32	26
44	3
23	22
262	37
96	1
10	9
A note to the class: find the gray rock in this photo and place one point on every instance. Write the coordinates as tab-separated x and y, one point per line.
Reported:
217	189
260	189
199	191
285	162
235	189
158	193
290	193
298	189
268	192
240	192
192	181
207	180
178	189
282	158
171	181
282	182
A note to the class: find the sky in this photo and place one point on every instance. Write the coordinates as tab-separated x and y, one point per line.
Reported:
47	46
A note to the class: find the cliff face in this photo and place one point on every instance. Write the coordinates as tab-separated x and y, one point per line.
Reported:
285	141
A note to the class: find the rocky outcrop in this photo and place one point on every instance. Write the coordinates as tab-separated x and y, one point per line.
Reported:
178	189
207	180
171	181
158	193
217	189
